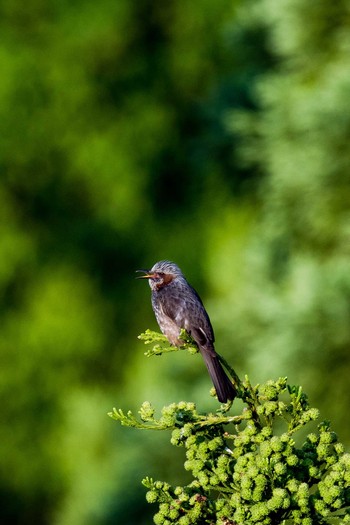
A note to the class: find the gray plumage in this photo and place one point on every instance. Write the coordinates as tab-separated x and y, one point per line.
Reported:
177	305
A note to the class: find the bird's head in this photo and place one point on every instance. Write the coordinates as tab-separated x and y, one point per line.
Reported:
161	274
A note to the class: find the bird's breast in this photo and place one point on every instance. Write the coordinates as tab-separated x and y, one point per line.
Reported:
169	326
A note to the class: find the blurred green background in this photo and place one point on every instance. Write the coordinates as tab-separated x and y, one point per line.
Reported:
215	134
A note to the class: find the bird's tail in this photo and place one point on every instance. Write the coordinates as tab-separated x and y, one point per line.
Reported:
225	390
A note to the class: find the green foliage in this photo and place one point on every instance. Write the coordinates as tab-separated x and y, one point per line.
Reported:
292	289
162	344
248	468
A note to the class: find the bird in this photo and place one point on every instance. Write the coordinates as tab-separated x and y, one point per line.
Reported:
177	306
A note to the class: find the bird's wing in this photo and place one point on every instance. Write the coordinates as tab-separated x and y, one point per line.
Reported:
199	336
187	311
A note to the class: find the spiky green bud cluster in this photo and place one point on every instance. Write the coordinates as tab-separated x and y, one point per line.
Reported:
247	468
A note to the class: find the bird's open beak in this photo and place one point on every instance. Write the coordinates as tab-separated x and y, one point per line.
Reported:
147	275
